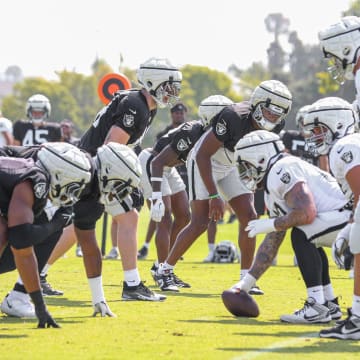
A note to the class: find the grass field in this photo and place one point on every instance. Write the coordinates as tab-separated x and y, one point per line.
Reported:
192	324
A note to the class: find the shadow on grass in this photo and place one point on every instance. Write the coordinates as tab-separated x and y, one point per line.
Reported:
6	336
230	320
320	346
63	301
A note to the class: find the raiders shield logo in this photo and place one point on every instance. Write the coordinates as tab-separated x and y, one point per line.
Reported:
285	178
128	120
347	157
182	145
40	190
220	128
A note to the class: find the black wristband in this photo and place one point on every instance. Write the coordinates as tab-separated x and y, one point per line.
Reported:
37	299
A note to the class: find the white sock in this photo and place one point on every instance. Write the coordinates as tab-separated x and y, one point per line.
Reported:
243	272
19	281
356	305
156	263
45	270
146	245
211	247
97	291
132	277
165	266
317	293
328	292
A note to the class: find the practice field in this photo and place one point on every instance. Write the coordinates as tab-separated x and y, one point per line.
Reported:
191	324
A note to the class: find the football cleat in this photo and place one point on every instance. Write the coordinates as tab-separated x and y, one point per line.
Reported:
334	308
103	309
255	290
78	251
140	292
311	313
46	288
113	254
179	283
209	258
143	253
18	304
348	329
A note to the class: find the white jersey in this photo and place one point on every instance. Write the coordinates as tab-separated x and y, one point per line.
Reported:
5	126
345	155
290	170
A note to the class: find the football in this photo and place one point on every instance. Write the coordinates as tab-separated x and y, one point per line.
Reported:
240	303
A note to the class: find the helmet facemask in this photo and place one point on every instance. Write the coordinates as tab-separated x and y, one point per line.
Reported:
66	195
339	70
268	115
167	94
249	174
319	139
114	189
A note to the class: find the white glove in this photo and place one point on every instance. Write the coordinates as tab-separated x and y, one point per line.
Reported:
103	309
157	210
260	226
339	245
354	239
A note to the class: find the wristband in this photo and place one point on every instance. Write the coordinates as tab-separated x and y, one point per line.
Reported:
156	195
214	196
154	178
37	299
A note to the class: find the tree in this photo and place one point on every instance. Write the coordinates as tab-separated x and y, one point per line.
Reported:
14	73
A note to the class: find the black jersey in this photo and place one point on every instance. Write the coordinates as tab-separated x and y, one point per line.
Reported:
27	134
294	142
181	139
128	110
233	123
14	171
164	132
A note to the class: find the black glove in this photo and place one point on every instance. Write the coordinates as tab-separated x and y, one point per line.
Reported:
45	319
63	216
137	198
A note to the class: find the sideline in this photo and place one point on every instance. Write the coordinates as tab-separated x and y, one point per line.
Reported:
271	348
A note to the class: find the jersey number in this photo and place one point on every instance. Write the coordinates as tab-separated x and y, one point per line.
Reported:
40	136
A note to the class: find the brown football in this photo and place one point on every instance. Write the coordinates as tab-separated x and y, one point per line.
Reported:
240	303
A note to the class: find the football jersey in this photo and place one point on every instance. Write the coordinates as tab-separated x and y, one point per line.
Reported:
127	110
294	142
16	170
27	134
290	170
5	126
345	155
181	139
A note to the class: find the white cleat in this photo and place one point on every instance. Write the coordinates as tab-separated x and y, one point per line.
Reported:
18	305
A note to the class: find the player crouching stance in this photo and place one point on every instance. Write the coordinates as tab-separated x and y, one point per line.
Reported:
300	196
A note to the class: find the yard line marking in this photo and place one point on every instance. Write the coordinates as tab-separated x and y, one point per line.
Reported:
271	348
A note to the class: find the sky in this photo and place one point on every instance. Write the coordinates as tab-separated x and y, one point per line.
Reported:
45	36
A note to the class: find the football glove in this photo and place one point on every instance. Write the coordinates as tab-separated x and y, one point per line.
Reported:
260	226
45	319
63	216
339	245
103	309
157	210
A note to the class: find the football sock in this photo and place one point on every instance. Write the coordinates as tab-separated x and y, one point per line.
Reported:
328	292
211	247
45	270
132	277
317	293
166	267
96	288
356	305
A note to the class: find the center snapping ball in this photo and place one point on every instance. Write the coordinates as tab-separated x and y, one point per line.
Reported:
240	303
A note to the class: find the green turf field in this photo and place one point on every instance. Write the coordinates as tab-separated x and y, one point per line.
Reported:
192	324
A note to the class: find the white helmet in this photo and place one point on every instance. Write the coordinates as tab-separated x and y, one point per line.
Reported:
356	110
211	106
225	252
118	171
38	108
340	43
327	120
161	79
270	99
69	169
254	153
299	118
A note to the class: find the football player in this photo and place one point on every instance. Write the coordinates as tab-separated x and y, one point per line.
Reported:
37	129
212	170
301	197
340	44
60	174
331	124
163	185
125	120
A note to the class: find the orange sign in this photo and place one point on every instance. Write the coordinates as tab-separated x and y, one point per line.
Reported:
111	83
